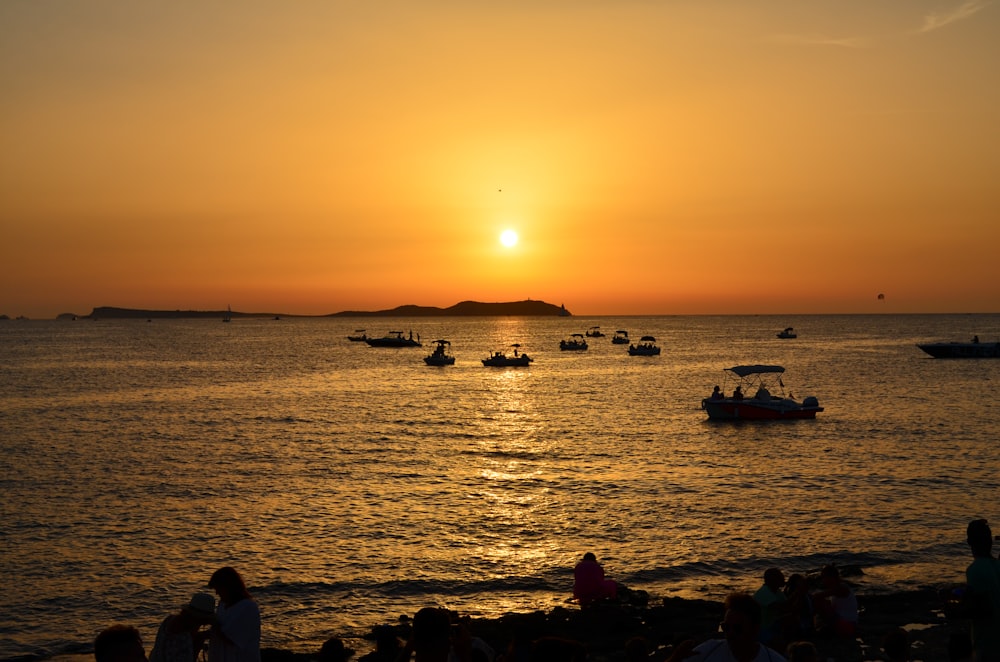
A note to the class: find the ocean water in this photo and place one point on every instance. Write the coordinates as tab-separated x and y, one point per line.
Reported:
352	484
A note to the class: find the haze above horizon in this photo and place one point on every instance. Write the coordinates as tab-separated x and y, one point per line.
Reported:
619	158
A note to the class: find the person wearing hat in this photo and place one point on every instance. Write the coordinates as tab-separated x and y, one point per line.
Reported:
180	637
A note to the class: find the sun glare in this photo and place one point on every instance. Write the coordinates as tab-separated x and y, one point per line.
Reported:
508	238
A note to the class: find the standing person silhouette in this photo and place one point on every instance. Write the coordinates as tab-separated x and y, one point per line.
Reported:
983	580
236	636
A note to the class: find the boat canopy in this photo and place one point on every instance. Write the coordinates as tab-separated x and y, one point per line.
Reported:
744	370
647	339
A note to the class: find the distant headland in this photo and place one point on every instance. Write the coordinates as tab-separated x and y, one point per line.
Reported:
524	308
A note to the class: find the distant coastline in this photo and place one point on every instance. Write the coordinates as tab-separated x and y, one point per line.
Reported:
524	308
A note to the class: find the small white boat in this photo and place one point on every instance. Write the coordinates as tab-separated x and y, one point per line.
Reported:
440	355
594	332
768	402
789	332
359	336
500	359
645	347
575	343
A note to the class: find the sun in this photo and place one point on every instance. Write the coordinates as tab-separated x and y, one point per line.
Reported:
508	238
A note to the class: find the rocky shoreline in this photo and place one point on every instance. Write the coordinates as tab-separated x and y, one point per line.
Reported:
605	628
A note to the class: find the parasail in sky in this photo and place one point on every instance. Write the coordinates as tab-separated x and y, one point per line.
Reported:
881	297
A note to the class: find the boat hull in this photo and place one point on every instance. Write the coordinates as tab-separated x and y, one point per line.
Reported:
962	350
439	360
392	342
728	409
520	361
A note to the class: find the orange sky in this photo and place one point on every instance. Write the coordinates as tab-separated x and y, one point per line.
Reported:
665	157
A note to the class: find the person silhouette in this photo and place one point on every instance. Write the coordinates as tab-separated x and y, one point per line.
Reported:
180	637
236	635
983	591
589	584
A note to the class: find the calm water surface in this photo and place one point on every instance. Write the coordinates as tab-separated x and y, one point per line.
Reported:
352	484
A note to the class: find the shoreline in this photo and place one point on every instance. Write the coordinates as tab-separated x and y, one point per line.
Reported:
667	621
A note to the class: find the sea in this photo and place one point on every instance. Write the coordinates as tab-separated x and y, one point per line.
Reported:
351	485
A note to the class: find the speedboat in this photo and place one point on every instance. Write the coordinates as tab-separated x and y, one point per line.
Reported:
646	347
440	355
359	336
768	401
575	342
394	339
962	350
500	359
620	337
594	332
789	332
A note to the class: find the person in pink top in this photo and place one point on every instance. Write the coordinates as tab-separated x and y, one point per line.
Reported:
589	584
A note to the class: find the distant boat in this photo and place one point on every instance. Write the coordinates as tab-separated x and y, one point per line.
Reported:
394	339
575	342
440	355
645	347
620	337
499	359
789	332
962	350
594	332
359	336
228	317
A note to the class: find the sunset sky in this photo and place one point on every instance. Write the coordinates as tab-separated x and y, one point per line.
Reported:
654	156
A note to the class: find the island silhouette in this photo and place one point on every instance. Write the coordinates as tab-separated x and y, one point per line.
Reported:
526	308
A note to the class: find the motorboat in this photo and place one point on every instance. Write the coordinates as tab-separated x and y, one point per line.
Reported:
768	401
359	336
576	342
594	332
440	355
394	339
962	350
500	359
620	337
645	347
789	332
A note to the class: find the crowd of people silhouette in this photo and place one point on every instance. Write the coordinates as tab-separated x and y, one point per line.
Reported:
781	621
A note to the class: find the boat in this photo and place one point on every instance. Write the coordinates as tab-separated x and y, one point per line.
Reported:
576	342
500	359
962	350
394	339
594	332
440	355
359	336
228	317
789	332
620	337
646	347
768	402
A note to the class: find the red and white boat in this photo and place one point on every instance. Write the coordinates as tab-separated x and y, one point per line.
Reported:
758	394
